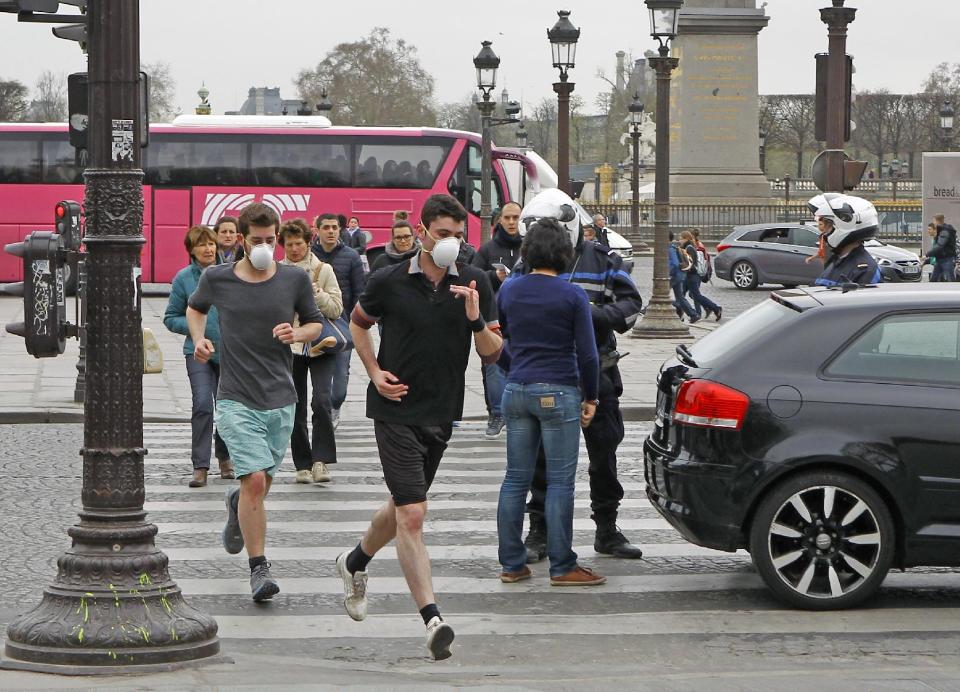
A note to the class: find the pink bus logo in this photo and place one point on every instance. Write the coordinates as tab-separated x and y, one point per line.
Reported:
219	203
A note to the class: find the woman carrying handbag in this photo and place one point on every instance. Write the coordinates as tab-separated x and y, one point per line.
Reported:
312	457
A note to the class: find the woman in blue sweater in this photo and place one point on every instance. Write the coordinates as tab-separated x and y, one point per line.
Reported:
201	244
552	385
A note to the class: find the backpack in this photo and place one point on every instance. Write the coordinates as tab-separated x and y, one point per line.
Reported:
704	264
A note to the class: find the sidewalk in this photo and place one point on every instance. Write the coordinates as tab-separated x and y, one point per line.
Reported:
41	390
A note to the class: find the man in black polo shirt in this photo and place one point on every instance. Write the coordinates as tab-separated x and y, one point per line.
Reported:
430	310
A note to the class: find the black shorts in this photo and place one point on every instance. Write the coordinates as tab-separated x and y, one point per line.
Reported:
410	456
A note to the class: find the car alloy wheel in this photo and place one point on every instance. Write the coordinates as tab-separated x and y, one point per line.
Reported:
822	541
744	275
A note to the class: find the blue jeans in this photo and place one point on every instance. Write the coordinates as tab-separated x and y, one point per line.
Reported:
341	377
699	300
550	413
944	269
496	380
680	303
204	378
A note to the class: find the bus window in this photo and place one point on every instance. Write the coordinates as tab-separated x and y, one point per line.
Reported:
19	159
301	162
400	164
474	160
59	163
189	161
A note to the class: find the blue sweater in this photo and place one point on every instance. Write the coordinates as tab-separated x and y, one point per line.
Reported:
549	331
175	317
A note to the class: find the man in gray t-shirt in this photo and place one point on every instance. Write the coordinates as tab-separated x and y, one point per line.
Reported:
257	300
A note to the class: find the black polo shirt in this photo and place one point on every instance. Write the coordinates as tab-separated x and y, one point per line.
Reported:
426	339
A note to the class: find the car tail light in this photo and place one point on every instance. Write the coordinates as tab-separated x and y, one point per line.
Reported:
721	247
710	405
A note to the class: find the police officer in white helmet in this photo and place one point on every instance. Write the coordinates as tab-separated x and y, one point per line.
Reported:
845	222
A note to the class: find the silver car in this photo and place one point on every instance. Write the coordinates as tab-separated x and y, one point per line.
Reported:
777	253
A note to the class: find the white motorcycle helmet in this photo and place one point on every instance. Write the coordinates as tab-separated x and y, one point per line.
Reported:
554	203
854	218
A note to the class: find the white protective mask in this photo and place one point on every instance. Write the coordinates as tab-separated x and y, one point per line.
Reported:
445	251
261	256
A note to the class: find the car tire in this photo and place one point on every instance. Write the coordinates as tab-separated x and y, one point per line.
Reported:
744	276
822	540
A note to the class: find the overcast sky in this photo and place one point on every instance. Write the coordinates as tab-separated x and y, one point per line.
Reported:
242	43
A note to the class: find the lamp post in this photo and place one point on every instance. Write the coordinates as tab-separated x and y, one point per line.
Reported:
660	320
946	123
324	105
563	43
113	606
522	136
894	176
763	152
486	64
837	18
636	120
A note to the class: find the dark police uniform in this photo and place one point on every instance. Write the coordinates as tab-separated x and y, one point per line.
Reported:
857	267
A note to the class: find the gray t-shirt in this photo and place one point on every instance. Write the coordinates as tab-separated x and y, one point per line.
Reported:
255	367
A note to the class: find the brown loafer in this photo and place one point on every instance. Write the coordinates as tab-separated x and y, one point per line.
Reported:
199	478
513	577
578	576
226	470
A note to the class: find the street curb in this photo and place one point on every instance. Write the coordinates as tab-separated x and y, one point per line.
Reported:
642	413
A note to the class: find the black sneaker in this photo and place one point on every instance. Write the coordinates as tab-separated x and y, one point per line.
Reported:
495	426
262	583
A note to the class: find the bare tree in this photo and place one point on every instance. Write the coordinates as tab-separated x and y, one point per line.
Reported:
13	100
49	104
162	91
460	115
793	117
540	125
876	124
374	81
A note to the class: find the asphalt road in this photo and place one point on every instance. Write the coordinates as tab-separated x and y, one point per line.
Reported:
683	618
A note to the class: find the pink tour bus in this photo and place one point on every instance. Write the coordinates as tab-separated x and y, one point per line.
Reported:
203	167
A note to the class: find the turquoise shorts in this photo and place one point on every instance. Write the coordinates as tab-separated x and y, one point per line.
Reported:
256	440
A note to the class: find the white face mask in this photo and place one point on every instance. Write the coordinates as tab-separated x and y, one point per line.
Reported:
445	251
261	256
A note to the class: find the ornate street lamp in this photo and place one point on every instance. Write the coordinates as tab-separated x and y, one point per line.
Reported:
486	63
324	105
660	320
636	121
522	136
204	107
563	43
946	123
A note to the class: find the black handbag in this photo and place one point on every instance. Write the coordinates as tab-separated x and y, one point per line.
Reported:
335	336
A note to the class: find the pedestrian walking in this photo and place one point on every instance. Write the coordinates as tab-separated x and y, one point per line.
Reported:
551	390
229	247
402	246
615	305
695	273
346	264
497	257
679	263
845	222
312	453
354	237
257	300
431	310
201	244
600	230
944	250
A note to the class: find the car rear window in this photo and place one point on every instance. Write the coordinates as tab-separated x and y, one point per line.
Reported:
755	323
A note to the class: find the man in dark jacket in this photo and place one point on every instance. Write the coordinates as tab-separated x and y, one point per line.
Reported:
497	258
350	275
944	250
615	304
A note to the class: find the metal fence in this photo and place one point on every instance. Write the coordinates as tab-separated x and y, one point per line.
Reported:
898	221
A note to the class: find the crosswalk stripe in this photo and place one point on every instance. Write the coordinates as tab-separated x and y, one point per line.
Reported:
487	526
275	507
455	553
334	488
747	622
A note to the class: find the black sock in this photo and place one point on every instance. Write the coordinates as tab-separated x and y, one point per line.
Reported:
428	612
255	561
358	560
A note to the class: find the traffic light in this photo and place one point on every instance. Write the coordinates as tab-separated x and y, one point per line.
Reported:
44	300
67	215
44	11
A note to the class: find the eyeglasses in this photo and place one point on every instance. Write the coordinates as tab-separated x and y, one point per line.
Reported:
403	237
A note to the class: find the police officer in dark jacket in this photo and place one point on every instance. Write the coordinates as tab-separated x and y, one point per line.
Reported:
845	222
615	304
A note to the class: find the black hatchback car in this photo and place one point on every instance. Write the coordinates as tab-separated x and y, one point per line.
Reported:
820	431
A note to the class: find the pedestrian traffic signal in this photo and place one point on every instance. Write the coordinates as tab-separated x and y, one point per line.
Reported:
67	215
44	300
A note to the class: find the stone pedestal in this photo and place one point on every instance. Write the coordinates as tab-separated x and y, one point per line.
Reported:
715	142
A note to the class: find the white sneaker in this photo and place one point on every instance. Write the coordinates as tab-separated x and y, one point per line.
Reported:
354	589
335	417
439	638
321	474
303	476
